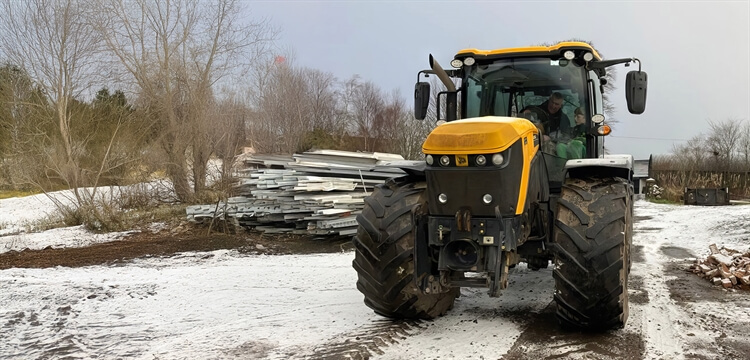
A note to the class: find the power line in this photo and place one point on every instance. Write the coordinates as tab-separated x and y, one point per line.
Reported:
646	138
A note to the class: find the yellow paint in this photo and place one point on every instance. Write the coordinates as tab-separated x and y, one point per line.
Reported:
529	151
531	49
486	135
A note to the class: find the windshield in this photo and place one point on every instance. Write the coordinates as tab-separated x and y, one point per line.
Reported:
553	94
506	87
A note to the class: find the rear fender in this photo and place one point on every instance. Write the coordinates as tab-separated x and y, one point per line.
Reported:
608	166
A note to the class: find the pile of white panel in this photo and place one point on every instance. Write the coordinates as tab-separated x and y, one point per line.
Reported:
317	192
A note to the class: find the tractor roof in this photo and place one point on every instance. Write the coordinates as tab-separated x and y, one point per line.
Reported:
530	51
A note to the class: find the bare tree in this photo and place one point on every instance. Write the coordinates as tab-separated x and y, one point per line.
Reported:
54	43
409	134
323	102
691	157
364	102
283	109
724	139
175	53
387	122
744	144
229	128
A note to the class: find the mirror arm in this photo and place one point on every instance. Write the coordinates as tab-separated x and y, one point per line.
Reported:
425	72
596	65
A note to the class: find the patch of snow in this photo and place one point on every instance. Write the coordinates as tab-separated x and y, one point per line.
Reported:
157	226
18	212
190	306
67	237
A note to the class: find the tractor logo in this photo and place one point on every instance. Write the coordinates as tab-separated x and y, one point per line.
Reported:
462	160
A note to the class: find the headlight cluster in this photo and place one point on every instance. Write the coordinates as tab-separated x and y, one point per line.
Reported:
457	63
480	160
570	55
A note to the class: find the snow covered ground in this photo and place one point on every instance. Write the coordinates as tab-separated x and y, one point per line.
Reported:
20	214
224	304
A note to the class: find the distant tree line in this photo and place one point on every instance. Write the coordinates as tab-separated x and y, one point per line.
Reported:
113	91
717	159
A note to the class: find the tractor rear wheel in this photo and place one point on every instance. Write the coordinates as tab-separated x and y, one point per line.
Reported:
384	254
592	235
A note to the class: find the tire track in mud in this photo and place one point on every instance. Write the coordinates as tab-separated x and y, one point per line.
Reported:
543	338
659	317
366	342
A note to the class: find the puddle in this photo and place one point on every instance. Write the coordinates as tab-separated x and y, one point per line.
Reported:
676	252
636	293
646	228
636	254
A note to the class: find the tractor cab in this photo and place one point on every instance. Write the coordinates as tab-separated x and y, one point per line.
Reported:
559	88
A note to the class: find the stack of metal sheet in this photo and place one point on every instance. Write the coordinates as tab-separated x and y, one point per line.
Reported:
317	192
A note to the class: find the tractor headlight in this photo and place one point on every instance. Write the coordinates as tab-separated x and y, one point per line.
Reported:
457	63
487	199
481	160
429	160
442	198
469	61
588	56
597	119
445	160
569	55
497	159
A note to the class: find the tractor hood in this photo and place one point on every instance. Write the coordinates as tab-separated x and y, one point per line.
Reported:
485	135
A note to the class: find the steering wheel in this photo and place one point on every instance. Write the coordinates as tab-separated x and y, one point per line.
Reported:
541	115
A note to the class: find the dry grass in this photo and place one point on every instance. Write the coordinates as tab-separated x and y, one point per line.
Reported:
7	194
675	182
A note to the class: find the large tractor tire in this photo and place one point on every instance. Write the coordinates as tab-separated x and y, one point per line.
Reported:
592	236
384	254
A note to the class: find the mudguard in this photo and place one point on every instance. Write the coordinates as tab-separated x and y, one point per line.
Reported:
609	165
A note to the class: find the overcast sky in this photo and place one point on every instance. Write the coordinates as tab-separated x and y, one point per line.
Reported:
696	53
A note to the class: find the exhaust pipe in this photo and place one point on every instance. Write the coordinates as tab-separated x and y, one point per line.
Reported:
441	74
451	98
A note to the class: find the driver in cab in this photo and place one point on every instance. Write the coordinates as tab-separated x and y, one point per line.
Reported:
550	115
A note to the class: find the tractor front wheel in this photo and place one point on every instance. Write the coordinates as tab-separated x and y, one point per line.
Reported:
384	254
592	235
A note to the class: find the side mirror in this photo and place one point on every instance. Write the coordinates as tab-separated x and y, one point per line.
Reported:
421	100
635	87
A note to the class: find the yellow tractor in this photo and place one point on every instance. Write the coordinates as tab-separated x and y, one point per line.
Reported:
515	171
